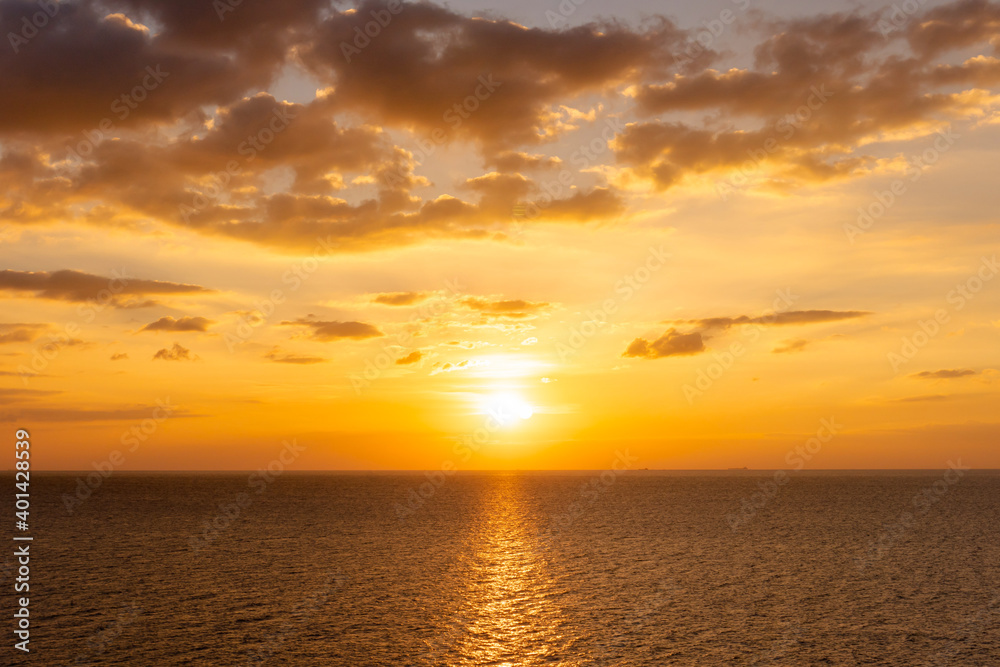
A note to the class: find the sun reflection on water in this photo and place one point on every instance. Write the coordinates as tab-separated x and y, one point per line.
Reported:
511	616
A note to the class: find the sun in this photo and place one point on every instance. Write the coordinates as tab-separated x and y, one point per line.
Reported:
507	408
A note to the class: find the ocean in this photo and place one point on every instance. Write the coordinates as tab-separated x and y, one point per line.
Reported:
504	569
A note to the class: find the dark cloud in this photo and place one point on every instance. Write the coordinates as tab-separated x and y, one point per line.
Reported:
76	286
202	175
511	308
176	353
515	161
119	356
400	298
819	89
796	345
596	204
29	333
954	26
181	157
433	60
22	395
946	374
924	399
331	331
21	333
50	415
671	344
281	357
185	323
212	182
674	343
779	319
74	72
504	194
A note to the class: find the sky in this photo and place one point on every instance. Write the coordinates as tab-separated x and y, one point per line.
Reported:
513	236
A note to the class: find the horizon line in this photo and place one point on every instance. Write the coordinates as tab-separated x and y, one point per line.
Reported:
494	470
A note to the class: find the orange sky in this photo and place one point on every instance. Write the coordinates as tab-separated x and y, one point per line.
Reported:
529	240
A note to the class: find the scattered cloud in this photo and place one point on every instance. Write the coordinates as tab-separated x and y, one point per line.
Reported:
176	353
514	161
821	92
671	344
78	287
21	333
924	399
22	395
448	367
411	358
400	298
946	374
50	415
778	319
509	308
185	323
279	356
793	345
331	331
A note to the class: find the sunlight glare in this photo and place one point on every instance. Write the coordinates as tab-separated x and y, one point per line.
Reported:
507	408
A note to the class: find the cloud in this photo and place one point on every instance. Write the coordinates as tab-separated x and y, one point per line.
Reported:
400	298
469	344
411	358
924	399
955	26
331	331
185	323
514	161
119	356
197	59
176	353
599	203
512	308
504	194
794	345
779	319
444	71
76	286
21	395
179	184
21	333
49	415
947	374
448	367
671	344
438	76
674	343
278	356
822	91
29	333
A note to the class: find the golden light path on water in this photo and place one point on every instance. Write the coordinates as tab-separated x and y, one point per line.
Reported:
511	614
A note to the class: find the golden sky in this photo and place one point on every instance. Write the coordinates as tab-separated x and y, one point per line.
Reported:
411	236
